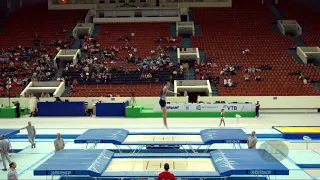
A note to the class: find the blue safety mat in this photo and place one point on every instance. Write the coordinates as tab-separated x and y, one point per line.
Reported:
114	136
211	136
154	174
70	162
247	162
9	132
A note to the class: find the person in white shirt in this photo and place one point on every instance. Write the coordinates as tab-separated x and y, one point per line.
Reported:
230	83
59	143
4	151
225	82
305	81
252	141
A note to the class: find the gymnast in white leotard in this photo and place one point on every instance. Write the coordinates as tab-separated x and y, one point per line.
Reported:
222	118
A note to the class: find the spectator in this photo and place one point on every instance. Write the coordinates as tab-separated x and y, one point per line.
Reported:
301	77
166	175
230	83
59	143
258	78
225	82
246	77
247	51
305	81
72	89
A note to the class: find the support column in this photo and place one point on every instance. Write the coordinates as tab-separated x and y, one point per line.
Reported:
21	2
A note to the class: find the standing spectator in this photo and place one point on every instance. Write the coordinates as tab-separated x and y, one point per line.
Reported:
4	151
31	134
59	143
17	104
257	109
166	175
58	63
252	141
12	174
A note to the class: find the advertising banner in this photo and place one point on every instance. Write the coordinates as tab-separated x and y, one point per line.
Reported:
181	107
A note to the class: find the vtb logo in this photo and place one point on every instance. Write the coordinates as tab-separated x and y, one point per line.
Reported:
232	108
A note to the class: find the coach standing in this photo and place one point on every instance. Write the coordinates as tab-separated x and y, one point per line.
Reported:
31	134
4	151
252	141
58	143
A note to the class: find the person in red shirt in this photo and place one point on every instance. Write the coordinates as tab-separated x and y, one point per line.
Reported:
166	175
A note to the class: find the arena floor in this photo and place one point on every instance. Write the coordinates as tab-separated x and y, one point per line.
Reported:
28	159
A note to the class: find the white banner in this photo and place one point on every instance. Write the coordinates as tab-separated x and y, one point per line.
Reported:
180	107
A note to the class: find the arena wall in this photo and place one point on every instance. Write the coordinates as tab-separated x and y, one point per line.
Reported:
268	103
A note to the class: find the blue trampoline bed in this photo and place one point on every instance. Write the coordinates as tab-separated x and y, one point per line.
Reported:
122	137
106	164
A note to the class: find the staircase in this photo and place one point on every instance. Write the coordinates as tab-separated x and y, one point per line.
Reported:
293	52
317	85
66	91
275	28
173	29
276	12
190	14
57	75
6	15
197	29
298	41
202	54
214	90
70	34
76	44
189	74
174	56
186	42
96	30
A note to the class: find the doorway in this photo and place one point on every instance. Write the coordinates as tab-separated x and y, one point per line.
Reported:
193	96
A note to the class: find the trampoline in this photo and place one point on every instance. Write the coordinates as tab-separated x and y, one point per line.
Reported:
120	137
104	163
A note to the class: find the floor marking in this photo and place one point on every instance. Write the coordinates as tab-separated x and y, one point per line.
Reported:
147	165
160	165
173	165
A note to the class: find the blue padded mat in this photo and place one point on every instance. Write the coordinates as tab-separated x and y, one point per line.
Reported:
114	136
246	162
211	136
9	132
76	162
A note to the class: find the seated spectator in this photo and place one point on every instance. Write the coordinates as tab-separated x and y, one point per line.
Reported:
34	113
202	64
142	76
305	81
225	82
247	51
72	89
230	83
246	77
166	175
117	95
301	77
258	78
105	32
175	72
